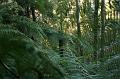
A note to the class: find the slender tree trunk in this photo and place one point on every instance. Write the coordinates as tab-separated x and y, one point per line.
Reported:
61	40
95	28
78	18
33	12
79	47
103	15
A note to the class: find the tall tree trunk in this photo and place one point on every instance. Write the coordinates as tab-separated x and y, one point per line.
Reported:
79	47
78	18
103	15
95	28
61	40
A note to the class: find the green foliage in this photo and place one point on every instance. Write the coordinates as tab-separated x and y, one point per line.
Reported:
21	43
45	7
30	50
21	51
26	55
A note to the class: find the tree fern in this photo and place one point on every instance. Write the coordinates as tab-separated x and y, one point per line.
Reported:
26	54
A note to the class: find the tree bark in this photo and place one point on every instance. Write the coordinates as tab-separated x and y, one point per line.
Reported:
61	41
95	28
79	47
33	12
103	15
78	18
